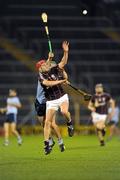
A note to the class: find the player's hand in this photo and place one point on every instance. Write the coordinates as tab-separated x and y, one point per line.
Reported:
2	110
65	46
68	82
93	109
50	55
63	81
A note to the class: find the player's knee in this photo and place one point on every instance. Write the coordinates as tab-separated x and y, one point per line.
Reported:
47	123
6	133
64	112
100	126
53	124
13	131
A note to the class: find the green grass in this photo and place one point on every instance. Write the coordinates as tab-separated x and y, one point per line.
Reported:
83	159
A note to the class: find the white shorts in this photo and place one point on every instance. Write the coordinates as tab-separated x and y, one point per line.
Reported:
98	117
55	104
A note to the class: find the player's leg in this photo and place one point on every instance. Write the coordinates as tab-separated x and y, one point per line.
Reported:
100	127
15	132
64	107
51	140
99	122
41	120
47	129
58	134
112	131
117	130
41	116
6	133
56	128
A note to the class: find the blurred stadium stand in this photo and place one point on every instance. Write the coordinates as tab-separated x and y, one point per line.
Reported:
94	44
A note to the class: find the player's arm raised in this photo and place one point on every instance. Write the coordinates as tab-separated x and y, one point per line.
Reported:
63	62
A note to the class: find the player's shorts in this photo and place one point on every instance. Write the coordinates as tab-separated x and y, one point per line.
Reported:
98	117
11	118
40	108
55	104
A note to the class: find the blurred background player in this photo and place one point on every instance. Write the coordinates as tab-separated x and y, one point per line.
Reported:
13	104
114	122
99	104
40	106
51	80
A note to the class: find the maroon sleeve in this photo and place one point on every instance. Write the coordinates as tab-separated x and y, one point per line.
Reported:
93	99
108	97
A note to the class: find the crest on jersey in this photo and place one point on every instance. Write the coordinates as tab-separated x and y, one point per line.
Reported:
53	76
103	99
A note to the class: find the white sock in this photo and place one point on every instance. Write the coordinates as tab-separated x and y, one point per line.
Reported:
50	141
60	141
6	141
19	138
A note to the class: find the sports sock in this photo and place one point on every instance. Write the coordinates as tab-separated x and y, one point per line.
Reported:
6	141
103	132
60	141
69	123
100	134
102	141
46	143
19	138
50	141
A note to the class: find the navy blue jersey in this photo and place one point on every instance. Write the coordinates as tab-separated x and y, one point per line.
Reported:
40	95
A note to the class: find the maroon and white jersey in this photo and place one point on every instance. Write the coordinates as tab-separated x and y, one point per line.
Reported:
102	102
54	92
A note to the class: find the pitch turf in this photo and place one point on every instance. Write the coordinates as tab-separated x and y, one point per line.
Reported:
83	159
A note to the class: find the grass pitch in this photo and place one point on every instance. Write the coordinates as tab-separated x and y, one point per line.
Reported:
83	159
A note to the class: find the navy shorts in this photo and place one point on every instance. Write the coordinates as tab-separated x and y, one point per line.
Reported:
40	108
113	123
11	118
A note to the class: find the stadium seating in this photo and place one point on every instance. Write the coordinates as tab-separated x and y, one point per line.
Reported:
94	54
